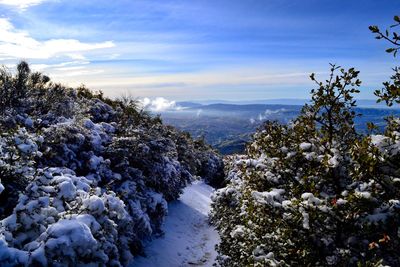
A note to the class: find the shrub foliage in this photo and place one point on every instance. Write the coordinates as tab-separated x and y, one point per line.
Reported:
315	192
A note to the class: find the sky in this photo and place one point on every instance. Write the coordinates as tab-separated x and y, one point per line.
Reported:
197	49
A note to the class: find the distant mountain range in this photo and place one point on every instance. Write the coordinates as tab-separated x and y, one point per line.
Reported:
370	103
229	125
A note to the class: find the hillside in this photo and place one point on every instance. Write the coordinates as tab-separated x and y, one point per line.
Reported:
85	179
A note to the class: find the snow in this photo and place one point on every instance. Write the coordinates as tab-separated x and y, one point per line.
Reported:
157	199
341	201
386	144
94	204
333	162
239	231
95	161
306	218
69	238
27	148
272	198
11	256
28	122
379	140
305	146
311	199
366	195
67	189
189	240
68	232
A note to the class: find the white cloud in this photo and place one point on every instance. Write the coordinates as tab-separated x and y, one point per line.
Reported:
268	114
77	56
18	44
214	77
21	4
78	71
198	113
158	104
42	67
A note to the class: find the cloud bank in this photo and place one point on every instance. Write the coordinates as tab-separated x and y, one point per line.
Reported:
267	115
18	44
21	4
158	104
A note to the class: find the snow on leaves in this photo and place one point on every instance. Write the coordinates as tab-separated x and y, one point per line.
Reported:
312	195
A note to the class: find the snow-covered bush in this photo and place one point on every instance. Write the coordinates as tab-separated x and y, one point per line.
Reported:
85	179
314	193
18	151
64	218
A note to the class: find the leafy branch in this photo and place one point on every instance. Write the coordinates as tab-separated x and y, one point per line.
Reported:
391	37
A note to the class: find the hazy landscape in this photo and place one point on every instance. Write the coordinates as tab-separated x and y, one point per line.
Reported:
229	126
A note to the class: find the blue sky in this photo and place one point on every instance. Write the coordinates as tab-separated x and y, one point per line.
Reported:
197	49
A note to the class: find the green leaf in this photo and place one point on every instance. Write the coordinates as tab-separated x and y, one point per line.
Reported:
374	29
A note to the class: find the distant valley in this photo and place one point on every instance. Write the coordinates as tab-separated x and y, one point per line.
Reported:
228	126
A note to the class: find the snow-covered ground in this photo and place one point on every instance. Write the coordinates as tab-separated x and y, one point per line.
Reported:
189	240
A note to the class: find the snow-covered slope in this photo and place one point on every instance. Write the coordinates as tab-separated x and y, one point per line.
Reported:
189	240
84	179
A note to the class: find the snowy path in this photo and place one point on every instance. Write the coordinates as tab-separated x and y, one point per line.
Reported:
189	240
